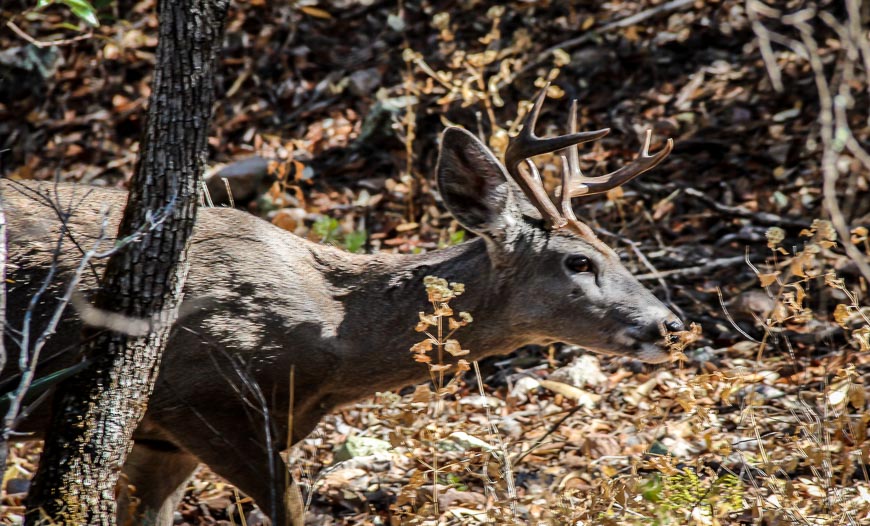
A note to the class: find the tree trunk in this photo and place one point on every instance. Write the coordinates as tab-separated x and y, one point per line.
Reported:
96	412
4	446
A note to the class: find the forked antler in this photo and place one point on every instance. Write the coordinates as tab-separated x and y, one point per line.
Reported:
527	145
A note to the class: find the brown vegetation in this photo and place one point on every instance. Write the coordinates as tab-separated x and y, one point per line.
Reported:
762	420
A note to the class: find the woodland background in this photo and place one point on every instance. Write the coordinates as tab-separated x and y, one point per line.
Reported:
334	110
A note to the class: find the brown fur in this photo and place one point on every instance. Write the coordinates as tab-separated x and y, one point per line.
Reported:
259	300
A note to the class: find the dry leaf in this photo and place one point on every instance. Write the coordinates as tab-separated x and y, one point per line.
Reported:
841	315
768	279
422	347
453	347
581	396
316	12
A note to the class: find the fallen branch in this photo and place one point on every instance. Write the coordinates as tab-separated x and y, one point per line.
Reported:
693	271
763	218
51	43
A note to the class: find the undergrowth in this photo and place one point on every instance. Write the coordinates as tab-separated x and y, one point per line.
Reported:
779	437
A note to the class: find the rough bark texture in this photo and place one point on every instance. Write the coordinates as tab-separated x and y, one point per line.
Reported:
3	444
96	412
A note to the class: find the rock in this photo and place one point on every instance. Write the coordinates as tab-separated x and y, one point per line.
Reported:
480	401
378	462
356	446
255	517
364	82
247	178
461	441
584	370
17	486
522	387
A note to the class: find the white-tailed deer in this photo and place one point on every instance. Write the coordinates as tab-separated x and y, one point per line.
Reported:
260	301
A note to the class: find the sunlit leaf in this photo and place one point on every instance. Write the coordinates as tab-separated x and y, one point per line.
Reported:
84	10
768	279
453	347
422	347
316	12
439	368
581	396
841	315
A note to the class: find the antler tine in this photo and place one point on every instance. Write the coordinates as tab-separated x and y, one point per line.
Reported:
568	169
527	145
582	185
567	172
533	187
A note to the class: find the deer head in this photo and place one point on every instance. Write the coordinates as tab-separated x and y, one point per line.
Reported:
576	289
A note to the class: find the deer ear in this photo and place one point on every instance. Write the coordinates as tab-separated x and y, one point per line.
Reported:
472	183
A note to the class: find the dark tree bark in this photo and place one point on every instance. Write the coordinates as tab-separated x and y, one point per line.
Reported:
3	444
96	412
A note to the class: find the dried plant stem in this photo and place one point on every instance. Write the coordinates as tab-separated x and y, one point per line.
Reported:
295	506
508	472
439	403
239	507
52	43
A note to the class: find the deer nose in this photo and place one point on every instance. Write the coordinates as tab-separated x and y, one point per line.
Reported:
674	325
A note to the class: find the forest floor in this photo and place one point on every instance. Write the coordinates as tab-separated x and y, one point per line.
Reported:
764	417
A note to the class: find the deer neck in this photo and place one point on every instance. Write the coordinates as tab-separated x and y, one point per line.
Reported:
383	294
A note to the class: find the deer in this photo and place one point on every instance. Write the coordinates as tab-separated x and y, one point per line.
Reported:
265	310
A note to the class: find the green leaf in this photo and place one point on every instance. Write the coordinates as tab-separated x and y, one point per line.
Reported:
457	237
652	488
658	449
67	25
84	10
326	228
355	241
43	3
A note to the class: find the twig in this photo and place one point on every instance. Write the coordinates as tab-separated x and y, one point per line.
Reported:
693	271
833	95
764	218
653	270
29	355
29	358
508	464
549	432
730	319
753	9
41	43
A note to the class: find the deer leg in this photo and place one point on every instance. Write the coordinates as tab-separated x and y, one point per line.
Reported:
254	477
152	484
245	462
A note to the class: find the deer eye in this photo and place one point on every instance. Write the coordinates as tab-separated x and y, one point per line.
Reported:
578	264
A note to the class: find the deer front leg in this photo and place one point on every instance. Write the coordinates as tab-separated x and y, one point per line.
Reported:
240	455
153	483
282	504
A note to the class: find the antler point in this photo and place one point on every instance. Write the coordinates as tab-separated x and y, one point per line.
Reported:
646	143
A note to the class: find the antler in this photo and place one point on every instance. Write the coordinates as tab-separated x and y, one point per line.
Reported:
579	184
526	145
